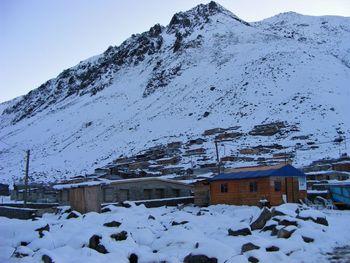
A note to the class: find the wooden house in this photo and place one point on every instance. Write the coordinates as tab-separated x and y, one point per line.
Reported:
252	185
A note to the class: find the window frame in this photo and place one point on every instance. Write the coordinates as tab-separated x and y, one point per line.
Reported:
224	188
277	183
253	187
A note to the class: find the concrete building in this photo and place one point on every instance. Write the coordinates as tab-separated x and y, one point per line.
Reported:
116	191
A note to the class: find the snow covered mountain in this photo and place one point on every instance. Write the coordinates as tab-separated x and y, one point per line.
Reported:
207	69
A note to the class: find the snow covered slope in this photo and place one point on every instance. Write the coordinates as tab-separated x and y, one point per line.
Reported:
206	69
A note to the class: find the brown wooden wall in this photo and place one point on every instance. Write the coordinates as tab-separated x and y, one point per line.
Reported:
239	191
85	199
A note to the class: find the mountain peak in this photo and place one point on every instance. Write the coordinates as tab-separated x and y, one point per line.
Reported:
201	14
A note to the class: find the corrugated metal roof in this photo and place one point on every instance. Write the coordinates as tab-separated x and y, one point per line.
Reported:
287	170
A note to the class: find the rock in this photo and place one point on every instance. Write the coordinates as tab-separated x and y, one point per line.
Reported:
275	212
105	210
274	231
23	243
150	217
133	258
307	239
120	236
284	233
174	223
272	249
269	228
126	204
248	246
253	259
240	232
318	220
44	228
199	259
286	222
72	214
112	224
94	243
47	259
321	221
260	222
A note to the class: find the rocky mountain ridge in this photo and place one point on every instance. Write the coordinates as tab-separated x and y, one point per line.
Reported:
206	70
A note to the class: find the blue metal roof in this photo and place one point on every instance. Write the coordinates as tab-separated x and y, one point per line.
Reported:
286	171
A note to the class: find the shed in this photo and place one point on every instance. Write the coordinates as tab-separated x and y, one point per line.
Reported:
250	185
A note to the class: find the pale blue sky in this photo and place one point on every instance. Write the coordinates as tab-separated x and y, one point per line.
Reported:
40	38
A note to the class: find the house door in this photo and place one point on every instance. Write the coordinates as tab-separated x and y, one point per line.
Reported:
292	189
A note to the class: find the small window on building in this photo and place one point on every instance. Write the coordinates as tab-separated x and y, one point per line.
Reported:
253	187
224	188
176	192
159	193
147	193
278	186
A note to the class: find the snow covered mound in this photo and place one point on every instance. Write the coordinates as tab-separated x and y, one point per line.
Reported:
206	69
175	235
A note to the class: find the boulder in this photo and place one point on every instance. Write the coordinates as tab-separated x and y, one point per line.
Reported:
133	258
248	246
307	239
260	222
286	222
42	229
105	210
112	224
72	214
276	212
240	232
120	236
94	243
253	259
318	220
285	233
47	259
268	228
199	259
272	249
174	223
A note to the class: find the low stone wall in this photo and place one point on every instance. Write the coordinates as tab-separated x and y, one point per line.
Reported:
159	202
16	212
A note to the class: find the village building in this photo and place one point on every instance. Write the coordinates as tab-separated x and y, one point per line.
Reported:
271	185
89	196
4	190
36	193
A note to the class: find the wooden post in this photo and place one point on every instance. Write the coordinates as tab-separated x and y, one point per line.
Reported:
26	180
217	156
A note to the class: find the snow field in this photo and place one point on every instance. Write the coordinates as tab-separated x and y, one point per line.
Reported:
169	234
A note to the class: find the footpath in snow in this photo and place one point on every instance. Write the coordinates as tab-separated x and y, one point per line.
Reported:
220	233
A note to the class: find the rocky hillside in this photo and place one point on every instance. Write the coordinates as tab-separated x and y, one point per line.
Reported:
270	89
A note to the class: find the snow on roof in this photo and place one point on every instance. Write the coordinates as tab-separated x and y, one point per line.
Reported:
120	181
287	170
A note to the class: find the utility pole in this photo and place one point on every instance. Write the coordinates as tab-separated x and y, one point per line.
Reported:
217	156
26	179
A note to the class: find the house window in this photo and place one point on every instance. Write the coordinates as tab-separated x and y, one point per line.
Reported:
108	194
147	193
278	186
159	193
224	188
253	187
176	192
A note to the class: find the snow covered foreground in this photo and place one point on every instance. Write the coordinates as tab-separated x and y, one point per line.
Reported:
169	234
